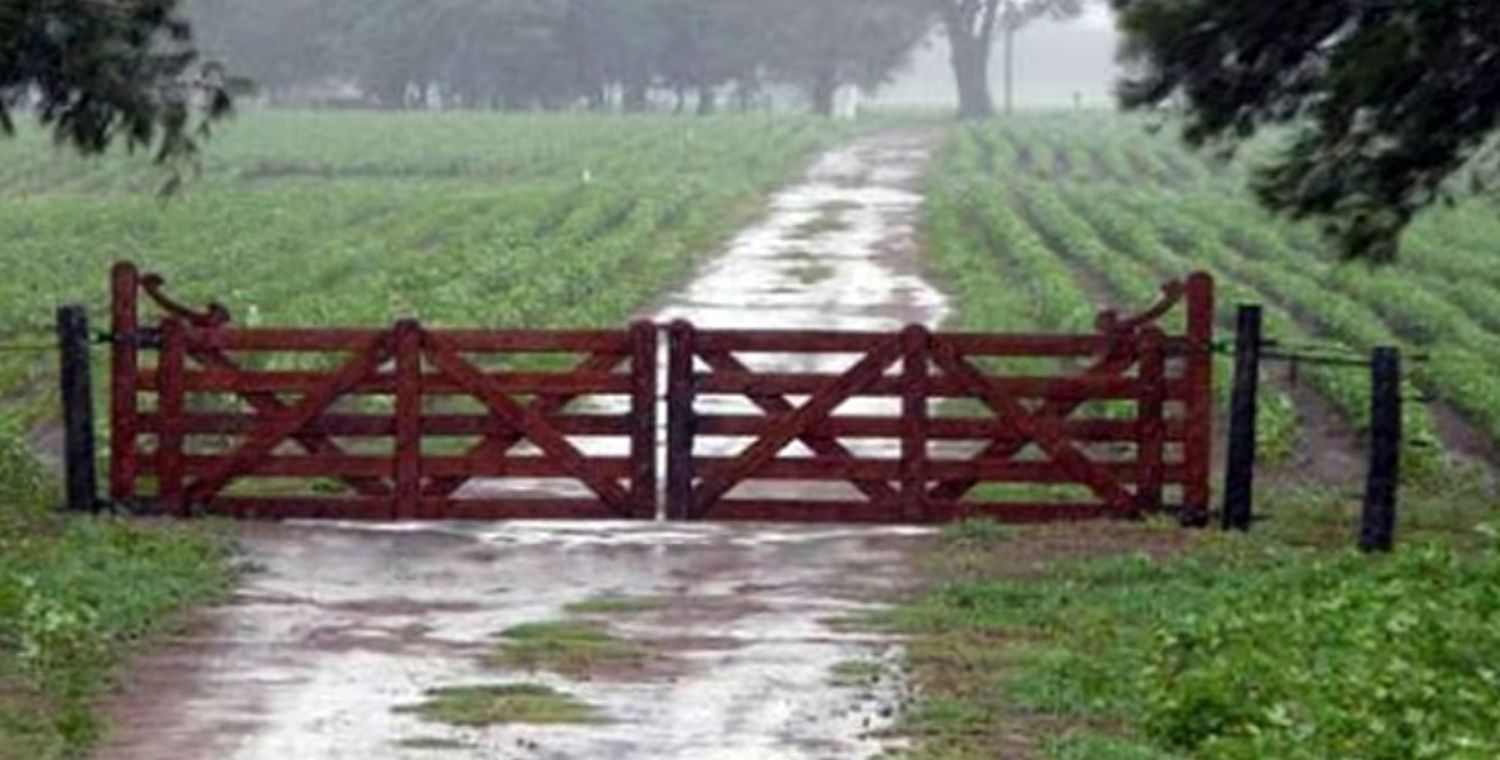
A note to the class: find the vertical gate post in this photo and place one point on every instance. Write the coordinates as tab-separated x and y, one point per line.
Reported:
915	342
171	406
1239	470
643	427
680	422
1151	423
124	381
1200	412
78	409
1378	521
407	501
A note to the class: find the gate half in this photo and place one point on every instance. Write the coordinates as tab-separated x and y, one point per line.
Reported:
928	427
401	423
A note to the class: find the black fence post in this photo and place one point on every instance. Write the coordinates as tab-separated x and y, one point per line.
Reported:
1239	470
1377	529
78	409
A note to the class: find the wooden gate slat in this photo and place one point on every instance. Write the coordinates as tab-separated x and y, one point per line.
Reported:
284	424
170	453
408	339
1151	411
526	420
916	344
1200	413
124	372
643	431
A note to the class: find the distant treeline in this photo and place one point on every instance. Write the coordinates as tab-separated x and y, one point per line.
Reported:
628	55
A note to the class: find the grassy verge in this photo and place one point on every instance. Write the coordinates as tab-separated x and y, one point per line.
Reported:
1268	645
76	595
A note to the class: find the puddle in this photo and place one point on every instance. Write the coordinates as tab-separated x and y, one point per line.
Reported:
339	625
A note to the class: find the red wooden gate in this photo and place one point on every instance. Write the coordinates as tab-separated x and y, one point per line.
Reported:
404	423
412	423
904	427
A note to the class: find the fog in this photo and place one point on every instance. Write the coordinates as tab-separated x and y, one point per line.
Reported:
1054	60
684	56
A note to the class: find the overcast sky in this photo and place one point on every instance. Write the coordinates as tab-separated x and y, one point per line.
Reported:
1053	61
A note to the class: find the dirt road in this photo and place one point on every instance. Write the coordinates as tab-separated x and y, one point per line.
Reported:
337	627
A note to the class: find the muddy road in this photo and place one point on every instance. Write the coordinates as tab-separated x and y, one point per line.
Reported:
336	628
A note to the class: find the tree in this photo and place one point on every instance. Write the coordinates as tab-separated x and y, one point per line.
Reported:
1385	101
823	45
97	73
971	26
557	54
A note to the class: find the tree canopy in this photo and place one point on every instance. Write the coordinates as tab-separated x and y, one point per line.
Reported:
519	54
101	72
1386	101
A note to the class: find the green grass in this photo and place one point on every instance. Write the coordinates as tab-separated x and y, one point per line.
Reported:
77	596
852	674
616	605
475	706
1268	645
568	647
432	743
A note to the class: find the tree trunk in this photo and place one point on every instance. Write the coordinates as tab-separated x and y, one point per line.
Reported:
1010	69
971	69
708	100
636	97
824	88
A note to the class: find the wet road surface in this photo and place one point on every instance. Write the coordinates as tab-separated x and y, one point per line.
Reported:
335	626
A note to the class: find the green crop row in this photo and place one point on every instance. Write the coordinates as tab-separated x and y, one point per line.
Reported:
324	219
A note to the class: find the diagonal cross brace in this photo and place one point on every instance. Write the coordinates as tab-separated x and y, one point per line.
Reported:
1113	363
528	421
823	445
819	406
1033	427
366	360
498	444
268	405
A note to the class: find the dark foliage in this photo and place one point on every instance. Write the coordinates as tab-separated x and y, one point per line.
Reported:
103	72
1387	100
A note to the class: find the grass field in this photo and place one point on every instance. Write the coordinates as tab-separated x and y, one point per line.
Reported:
318	219
355	219
1041	219
1149	644
1033	223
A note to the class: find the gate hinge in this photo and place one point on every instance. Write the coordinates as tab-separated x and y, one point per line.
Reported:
148	337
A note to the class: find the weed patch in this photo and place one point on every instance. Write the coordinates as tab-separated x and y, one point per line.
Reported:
1245	648
616	605
473	706
568	647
